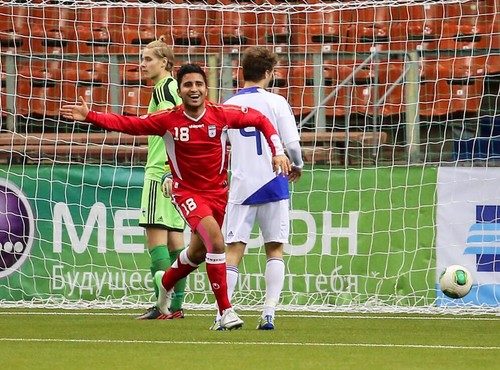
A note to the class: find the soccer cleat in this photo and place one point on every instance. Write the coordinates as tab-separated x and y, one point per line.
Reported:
163	302
172	315
152	313
230	320
216	326
266	323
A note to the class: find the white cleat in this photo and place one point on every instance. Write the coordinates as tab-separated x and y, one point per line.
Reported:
163	302
230	320
216	326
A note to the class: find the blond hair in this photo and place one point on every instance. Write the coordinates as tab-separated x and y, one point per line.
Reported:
162	50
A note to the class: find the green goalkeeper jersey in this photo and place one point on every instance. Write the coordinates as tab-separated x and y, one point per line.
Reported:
164	97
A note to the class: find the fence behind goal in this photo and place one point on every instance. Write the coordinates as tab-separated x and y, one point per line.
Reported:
397	103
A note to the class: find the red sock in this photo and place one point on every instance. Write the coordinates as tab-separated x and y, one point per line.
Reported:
216	271
181	268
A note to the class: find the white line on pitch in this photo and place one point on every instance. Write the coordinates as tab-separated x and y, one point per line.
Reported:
282	314
311	344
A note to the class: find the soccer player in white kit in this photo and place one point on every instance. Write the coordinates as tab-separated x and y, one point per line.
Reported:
256	194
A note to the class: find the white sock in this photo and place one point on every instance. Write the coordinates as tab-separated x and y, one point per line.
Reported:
232	278
275	278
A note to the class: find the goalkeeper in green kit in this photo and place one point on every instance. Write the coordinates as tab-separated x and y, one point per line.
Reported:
163	224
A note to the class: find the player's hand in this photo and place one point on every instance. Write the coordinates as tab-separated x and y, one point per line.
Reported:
166	187
281	164
76	112
294	174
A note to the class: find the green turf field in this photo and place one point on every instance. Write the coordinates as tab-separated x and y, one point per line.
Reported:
47	339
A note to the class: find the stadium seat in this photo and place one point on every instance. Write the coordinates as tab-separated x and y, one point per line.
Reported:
89	80
360	94
468	12
50	30
189	28
277	30
464	37
39	89
95	28
466	96
332	74
451	86
492	65
301	88
281	79
474	24
140	27
232	30
434	99
388	75
421	23
367	28
136	94
315	31
453	68
13	20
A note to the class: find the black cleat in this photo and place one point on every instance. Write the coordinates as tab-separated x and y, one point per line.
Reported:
153	313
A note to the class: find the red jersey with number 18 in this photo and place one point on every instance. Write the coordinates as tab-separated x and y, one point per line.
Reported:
196	148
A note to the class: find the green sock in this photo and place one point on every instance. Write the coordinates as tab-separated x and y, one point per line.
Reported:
160	261
178	296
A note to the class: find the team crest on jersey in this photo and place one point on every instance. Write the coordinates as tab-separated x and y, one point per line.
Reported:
212	130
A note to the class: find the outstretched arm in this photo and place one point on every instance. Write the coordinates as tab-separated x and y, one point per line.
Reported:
146	125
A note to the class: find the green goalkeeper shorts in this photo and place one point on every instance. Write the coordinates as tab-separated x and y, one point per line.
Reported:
158	211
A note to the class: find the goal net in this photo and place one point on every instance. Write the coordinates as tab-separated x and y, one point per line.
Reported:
397	105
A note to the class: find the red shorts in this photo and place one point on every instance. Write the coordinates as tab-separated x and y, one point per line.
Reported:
195	206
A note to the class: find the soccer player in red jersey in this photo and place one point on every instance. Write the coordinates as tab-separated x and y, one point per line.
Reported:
195	138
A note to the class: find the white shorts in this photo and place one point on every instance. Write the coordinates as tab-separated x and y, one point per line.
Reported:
273	219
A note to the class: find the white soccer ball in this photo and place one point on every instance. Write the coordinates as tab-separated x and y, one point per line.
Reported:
455	281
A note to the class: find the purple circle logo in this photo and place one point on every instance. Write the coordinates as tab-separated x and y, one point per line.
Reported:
16	228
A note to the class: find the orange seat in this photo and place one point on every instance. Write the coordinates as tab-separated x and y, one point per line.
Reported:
453	90
89	80
189	28
136	94
50	31
39	89
334	72
301	88
367	28
464	37
492	65
281	79
135	100
454	68
94	30
140	27
434	98
466	96
232	30
468	12
277	30
421	24
315	30
13	20
388	75
363	93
